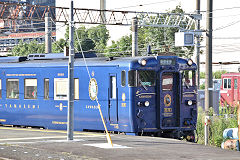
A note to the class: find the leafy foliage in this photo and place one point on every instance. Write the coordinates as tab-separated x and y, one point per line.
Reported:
218	74
227	118
94	38
58	46
23	49
160	39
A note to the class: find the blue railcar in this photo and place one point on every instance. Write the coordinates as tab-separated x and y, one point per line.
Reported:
152	94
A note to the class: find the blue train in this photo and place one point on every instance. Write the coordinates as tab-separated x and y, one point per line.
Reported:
138	95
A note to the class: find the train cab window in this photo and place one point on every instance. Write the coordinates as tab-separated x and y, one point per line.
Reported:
60	88
76	88
141	78
167	82
123	78
227	83
46	88
30	89
188	78
13	88
132	78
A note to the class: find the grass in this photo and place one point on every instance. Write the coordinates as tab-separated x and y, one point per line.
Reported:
227	118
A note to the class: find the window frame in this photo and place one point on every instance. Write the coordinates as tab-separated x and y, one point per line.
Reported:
46	96
76	89
123	78
227	84
64	97
32	86
8	94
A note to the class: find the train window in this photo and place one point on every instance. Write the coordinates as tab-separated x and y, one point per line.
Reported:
0	88
132	81
167	81
229	83
225	83
146	78
76	88
46	88
188	78
60	88
30	88
235	83
13	88
113	94
123	78
141	78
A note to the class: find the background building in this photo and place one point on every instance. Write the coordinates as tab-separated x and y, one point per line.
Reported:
14	31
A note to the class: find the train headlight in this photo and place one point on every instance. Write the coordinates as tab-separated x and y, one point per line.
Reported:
143	62
146	103
190	62
189	102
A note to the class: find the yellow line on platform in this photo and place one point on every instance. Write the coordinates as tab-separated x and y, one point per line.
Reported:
37	138
48	131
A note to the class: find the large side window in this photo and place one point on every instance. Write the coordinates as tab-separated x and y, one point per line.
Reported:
46	88
60	88
30	89
13	88
76	88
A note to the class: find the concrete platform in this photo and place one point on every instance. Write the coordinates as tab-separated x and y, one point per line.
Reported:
36	144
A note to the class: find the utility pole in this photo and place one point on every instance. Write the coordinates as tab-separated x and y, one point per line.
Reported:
48	34
70	119
103	7
134	37
208	67
197	46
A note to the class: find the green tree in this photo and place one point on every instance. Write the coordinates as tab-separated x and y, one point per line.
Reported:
94	38
218	74
99	35
161	40
122	47
58	46
24	49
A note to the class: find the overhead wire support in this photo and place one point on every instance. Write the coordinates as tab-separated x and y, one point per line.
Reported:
95	16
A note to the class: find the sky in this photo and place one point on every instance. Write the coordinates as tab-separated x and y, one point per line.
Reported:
226	23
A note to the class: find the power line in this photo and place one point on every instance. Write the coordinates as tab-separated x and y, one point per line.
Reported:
146	4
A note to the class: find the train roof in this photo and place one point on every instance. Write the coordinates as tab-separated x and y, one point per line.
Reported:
231	74
58	59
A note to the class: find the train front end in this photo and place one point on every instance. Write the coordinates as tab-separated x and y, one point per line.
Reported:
165	96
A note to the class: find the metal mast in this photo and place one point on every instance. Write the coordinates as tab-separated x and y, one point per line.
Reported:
70	126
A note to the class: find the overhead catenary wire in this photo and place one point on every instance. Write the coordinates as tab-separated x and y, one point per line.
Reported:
145	4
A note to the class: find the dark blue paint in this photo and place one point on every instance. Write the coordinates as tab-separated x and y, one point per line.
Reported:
119	115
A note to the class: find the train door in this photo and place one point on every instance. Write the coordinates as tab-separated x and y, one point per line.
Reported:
112	100
169	99
235	81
